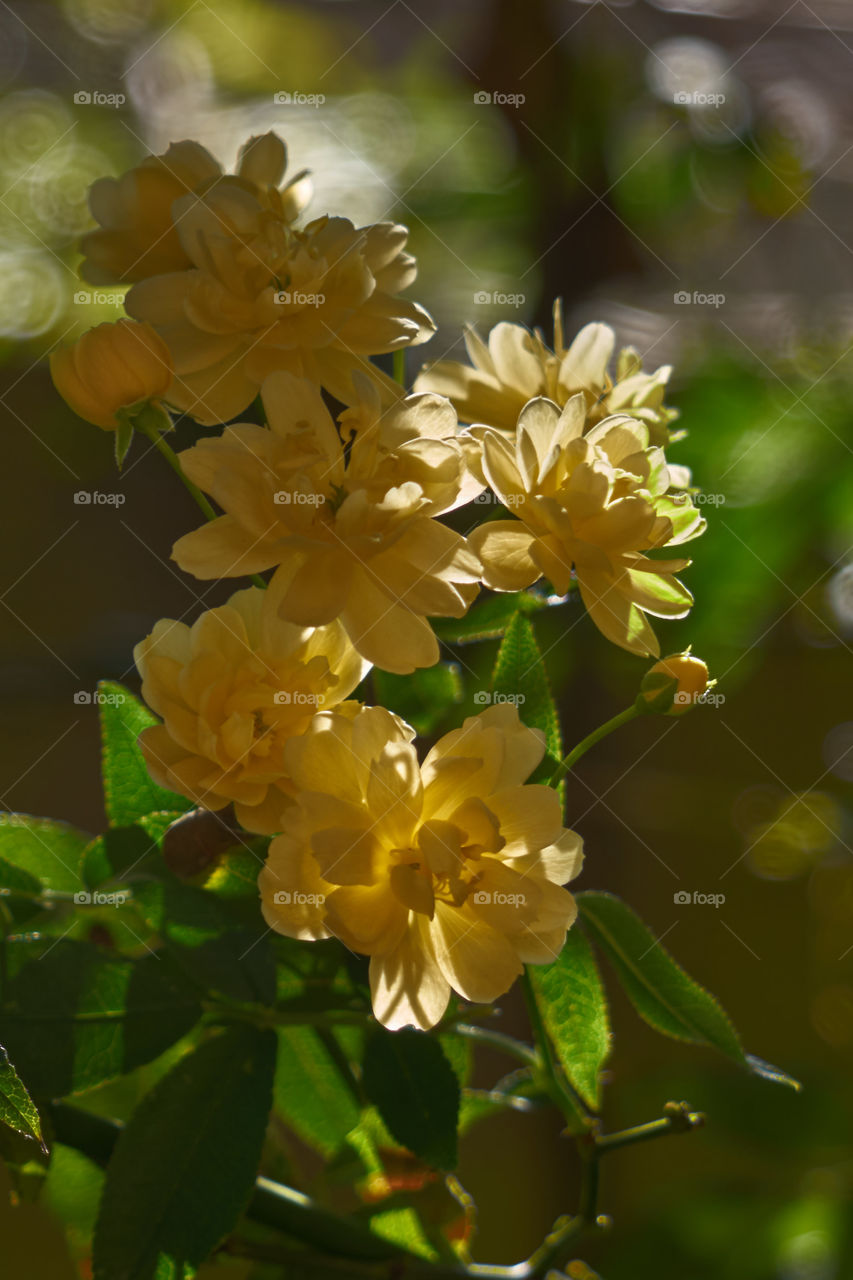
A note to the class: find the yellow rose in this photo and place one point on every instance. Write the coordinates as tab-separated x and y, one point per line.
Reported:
352	531
261	296
588	507
138	236
232	690
516	366
112	367
447	874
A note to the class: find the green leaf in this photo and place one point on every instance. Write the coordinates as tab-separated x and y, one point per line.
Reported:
459	1052
519	676
239	965
184	1167
574	1008
15	881
77	1016
123	437
310	1092
415	1089
17	1108
47	851
488	619
221	943
424	698
662	993
129	792
123	850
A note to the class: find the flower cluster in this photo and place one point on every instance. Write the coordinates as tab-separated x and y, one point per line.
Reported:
448	873
516	366
589	505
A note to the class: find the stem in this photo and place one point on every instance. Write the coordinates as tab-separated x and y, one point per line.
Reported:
260	1016
148	424
624	717
498	1040
400	366
677	1120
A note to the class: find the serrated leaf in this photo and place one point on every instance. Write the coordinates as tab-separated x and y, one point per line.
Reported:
459	1052
662	993
46	850
310	1092
571	998
121	851
129	791
416	1092
17	1109
423	698
77	1016
488	619
184	1167
520	676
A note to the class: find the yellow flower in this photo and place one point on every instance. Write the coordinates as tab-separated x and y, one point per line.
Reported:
447	874
138	235
517	366
260	295
112	367
691	676
353	532
232	690
588	505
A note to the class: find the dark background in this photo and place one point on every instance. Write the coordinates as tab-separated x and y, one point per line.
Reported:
602	188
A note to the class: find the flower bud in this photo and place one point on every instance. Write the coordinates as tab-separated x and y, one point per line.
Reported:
674	684
112	367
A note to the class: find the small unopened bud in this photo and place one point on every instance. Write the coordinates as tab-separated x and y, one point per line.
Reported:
675	684
113	367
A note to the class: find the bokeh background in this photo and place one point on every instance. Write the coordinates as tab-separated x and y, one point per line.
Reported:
682	170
